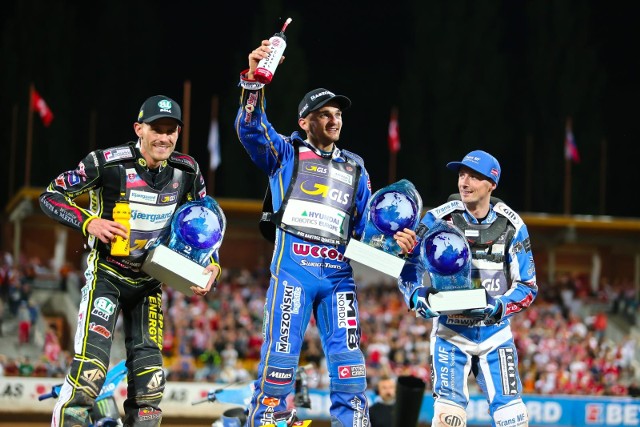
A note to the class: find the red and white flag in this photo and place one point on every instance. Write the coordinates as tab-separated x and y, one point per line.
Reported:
394	132
570	148
38	104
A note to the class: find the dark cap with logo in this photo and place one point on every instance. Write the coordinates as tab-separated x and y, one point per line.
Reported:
317	98
158	107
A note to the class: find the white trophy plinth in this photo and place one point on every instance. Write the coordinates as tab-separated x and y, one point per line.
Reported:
174	269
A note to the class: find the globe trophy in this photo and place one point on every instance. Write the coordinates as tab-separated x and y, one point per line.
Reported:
446	255
197	229
390	209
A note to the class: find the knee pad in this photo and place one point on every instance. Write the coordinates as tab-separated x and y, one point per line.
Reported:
448	414
149	379
279	375
347	372
90	377
514	414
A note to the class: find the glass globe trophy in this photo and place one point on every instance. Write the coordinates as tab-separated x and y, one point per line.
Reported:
197	229
390	209
446	255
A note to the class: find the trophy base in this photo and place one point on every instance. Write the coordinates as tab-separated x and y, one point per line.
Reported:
174	269
374	258
455	302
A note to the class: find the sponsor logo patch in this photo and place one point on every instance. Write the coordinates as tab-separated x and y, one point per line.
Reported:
351	371
279	376
509	380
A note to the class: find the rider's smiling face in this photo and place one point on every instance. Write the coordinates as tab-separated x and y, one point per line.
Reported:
157	140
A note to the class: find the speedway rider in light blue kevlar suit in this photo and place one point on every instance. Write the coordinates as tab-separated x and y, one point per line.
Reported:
479	340
319	194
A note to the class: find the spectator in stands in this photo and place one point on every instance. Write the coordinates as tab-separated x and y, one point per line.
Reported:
25	368
3	362
381	412
1	316
52	347
24	323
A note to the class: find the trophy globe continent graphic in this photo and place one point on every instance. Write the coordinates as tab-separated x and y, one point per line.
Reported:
199	227
446	253
393	211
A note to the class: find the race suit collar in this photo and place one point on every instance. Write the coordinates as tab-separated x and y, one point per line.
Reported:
320	153
336	154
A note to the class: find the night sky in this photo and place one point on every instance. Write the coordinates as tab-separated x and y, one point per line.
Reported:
502	76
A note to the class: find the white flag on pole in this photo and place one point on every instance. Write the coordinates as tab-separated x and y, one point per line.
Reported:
214	145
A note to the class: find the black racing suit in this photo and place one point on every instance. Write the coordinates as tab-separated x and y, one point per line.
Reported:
116	284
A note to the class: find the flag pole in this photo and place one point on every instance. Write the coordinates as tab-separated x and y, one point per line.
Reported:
211	182
93	124
12	155
392	167
27	166
603	176
568	158
567	186
186	113
528	161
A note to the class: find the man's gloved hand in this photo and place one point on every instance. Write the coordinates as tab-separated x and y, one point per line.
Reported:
493	311
420	302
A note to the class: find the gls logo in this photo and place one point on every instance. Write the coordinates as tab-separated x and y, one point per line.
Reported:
324	191
491	284
315	168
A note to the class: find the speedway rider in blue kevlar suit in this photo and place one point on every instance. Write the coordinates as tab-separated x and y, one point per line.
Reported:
155	180
319	194
479	340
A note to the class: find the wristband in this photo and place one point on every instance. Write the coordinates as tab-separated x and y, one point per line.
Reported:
248	84
86	224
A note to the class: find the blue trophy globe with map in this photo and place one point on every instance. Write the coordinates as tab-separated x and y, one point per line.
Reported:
197	229
390	209
393	211
446	255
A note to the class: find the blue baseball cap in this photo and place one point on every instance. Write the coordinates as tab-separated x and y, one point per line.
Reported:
481	162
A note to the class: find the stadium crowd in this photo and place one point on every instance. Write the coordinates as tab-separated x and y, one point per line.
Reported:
218	338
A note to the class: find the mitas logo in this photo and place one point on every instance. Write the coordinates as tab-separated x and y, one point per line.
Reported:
279	376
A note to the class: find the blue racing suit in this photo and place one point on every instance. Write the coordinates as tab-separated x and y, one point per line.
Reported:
502	262
318	199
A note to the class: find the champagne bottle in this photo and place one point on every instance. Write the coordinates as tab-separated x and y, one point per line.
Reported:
267	66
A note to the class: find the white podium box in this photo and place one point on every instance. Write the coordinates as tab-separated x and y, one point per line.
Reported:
174	269
455	302
374	258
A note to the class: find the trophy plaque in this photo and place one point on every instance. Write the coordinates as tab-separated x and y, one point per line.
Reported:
446	254
197	229
390	209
